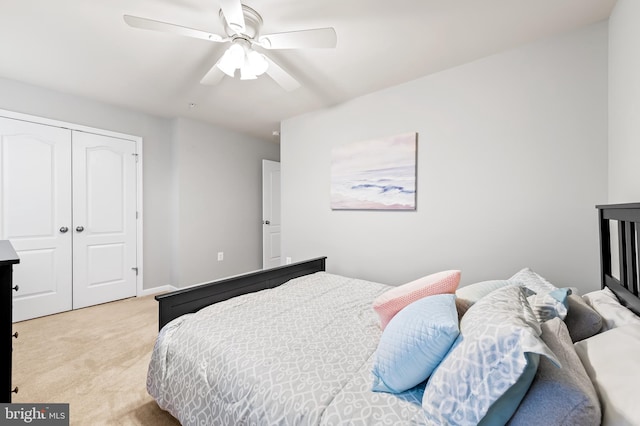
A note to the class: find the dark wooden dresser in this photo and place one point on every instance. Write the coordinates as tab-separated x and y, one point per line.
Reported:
8	258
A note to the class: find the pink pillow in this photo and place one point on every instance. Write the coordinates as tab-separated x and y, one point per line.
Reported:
392	301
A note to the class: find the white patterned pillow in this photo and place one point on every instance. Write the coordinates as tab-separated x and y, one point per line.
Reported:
491	364
550	305
533	281
547	300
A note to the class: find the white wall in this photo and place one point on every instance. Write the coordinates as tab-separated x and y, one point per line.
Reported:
220	201
511	162
624	102
172	150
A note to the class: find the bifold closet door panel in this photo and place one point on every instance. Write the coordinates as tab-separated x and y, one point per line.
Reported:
104	219
35	214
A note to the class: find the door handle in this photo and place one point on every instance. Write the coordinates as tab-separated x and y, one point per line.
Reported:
266	222
79	228
63	229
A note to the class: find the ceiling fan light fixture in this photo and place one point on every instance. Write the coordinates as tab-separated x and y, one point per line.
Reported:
246	74
227	64
257	62
232	59
242	26
240	56
236	55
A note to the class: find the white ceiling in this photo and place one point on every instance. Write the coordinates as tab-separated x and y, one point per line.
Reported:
83	47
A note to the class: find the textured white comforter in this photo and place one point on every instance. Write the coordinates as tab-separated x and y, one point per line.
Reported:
299	354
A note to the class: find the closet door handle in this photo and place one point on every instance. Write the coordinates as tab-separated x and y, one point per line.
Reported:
63	229
80	228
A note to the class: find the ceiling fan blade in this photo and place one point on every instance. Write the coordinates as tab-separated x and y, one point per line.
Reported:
232	11
281	77
319	37
213	77
150	24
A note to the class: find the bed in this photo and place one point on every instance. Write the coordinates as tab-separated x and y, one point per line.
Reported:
298	345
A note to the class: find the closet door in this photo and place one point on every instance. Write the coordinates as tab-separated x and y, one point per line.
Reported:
104	219
35	214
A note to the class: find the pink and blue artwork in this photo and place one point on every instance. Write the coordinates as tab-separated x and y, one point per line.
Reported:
378	174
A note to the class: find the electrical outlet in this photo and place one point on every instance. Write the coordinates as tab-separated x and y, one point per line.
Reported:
220	256
287	261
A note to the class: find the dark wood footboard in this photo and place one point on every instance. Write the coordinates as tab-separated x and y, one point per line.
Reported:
626	286
192	299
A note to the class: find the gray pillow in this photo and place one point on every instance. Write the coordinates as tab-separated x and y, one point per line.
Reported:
559	396
582	320
462	306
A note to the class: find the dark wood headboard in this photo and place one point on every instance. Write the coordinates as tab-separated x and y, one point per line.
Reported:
192	299
625	286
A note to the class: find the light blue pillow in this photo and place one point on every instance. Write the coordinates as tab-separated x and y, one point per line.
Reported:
414	342
476	291
496	350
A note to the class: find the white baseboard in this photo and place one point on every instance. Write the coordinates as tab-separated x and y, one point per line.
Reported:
156	290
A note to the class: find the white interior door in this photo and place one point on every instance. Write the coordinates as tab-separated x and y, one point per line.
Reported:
35	214
104	219
270	214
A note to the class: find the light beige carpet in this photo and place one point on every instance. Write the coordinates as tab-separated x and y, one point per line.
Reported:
95	359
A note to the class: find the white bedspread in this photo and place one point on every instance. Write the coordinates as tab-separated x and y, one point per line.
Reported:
299	354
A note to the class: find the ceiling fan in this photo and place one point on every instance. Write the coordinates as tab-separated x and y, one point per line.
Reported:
242	26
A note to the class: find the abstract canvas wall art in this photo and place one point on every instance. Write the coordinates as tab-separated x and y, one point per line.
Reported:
378	174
